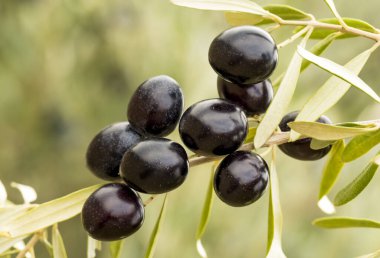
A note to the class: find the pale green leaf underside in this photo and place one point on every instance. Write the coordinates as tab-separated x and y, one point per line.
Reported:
154	235
59	250
116	248
48	213
353	189
328	132
330	92
332	169
339	71
360	145
345	222
318	144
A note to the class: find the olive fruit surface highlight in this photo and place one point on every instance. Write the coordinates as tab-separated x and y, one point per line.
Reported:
243	54
301	149
241	178
254	98
107	148
213	127
155	166
112	212
156	106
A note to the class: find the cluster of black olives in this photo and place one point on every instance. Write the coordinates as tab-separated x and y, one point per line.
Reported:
136	152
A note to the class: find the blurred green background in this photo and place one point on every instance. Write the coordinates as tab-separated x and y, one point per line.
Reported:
68	69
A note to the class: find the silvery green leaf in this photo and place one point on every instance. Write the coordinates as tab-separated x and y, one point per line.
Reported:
345	222
360	145
59	250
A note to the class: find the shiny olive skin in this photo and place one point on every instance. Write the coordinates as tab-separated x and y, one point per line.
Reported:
155	166
241	178
112	212
300	149
243	54
107	148
254	98
156	106
213	127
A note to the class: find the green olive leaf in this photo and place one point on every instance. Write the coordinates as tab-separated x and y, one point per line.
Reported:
345	222
154	236
318	144
116	248
339	71
59	250
360	145
239	18
330	92
353	189
250	135
332	169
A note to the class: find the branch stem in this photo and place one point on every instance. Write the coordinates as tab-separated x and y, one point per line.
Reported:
32	242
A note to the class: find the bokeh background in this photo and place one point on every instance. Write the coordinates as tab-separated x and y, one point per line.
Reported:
68	69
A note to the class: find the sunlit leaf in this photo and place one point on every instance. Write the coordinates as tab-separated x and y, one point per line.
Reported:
330	92
345	222
274	247
3	195
92	246
280	101
27	192
318	144
332	7
332	168
10	212
360	145
339	71
48	213
154	236
116	248
354	188
326	205
286	12
6	242
328	132
59	250
371	255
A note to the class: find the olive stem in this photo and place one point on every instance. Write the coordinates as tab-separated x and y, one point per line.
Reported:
149	200
32	242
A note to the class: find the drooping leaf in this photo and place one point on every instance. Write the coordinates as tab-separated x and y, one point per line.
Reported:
318	144
333	9
274	247
154	236
27	192
345	222
244	6
48	213
330	92
354	188
59	250
326	205
3	194
339	71
6	242
332	168
360	145
45	241
280	101
328	132
92	246
116	248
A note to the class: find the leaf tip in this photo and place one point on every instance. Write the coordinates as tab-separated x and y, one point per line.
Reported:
201	250
326	205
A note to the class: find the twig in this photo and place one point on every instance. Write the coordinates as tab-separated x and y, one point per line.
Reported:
30	244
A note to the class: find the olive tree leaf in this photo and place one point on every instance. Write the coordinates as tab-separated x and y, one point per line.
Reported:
281	100
59	250
330	92
360	145
274	247
153	237
116	248
339	71
333	9
239	18
27	192
3	194
354	188
92	246
6	242
345	222
47	214
224	5
328	132
332	169
318	144
375	254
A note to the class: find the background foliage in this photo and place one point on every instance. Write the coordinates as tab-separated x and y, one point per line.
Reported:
68	68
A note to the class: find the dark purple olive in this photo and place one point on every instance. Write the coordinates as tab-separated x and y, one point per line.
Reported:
112	212
155	166
156	106
300	149
107	148
241	178
254	98
244	54
213	127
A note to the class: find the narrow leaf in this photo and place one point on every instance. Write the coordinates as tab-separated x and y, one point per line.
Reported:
48	213
318	144
59	250
280	101
239	18
92	246
251	134
339	71
326	205
116	248
6	242
224	5
332	7
330	92
332	168
371	255
328	132
153	237
27	192
360	145
354	188
287	12
274	247
3	195
345	222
